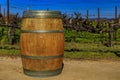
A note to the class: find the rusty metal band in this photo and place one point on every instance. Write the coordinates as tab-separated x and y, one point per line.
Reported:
42	57
42	31
43	73
41	14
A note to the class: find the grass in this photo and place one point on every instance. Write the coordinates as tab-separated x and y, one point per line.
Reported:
94	47
9	50
91	55
89	51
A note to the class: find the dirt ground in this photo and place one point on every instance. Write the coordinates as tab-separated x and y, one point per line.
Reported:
11	69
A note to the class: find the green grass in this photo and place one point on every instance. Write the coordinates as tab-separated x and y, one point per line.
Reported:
13	50
94	47
91	51
91	55
85	51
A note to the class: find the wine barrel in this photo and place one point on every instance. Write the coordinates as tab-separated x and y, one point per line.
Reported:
42	43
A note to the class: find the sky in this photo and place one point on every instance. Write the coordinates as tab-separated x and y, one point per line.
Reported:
65	6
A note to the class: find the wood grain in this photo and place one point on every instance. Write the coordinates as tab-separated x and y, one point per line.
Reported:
42	44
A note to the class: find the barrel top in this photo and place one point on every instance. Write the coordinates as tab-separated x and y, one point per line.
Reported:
41	14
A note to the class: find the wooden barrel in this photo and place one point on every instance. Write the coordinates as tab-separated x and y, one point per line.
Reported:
42	43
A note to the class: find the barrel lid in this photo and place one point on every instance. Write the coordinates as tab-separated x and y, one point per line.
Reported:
41	14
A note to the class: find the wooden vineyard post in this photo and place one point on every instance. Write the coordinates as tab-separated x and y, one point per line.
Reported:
9	28
98	15
10	35
101	36
116	21
110	34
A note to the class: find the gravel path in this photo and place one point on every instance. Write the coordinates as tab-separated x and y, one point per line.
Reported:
11	69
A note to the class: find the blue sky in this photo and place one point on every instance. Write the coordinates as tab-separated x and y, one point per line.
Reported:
66	6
